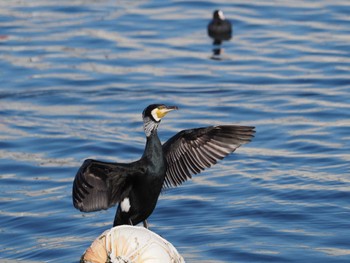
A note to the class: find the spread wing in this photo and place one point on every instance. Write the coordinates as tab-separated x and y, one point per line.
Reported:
99	185
191	151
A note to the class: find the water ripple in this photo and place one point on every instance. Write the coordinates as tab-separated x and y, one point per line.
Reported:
76	76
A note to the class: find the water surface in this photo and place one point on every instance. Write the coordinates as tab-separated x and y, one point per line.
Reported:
76	76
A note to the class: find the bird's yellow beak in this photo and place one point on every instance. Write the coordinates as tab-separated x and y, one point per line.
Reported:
163	110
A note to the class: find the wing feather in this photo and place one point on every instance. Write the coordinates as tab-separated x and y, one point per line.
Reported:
191	151
99	185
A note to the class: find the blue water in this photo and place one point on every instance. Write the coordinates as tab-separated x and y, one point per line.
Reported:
76	75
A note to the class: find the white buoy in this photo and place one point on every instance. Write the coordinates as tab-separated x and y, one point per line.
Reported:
131	244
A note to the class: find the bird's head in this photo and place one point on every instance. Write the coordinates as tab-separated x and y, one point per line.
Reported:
152	116
218	15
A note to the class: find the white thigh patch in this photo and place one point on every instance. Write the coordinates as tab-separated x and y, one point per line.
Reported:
125	205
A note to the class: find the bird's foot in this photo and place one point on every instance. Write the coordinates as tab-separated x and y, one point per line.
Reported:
145	224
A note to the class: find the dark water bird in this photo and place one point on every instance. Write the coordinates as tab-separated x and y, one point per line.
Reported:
136	186
219	28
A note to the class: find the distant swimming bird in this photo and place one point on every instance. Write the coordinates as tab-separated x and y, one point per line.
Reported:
219	28
136	186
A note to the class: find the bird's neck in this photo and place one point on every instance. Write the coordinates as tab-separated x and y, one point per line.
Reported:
153	144
150	127
153	155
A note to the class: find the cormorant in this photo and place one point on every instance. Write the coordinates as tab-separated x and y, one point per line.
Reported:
136	186
219	28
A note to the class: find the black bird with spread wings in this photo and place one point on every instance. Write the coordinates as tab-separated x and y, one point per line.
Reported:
136	186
